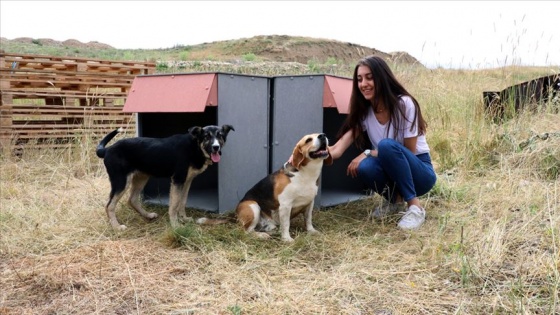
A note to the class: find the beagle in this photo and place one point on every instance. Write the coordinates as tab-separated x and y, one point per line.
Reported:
284	194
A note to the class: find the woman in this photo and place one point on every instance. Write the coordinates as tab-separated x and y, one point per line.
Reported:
398	165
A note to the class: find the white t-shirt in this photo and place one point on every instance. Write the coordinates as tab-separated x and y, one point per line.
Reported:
376	131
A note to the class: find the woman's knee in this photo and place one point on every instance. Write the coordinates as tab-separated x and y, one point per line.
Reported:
364	169
387	146
426	184
369	172
388	143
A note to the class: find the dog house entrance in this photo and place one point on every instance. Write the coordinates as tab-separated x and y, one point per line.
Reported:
203	193
336	186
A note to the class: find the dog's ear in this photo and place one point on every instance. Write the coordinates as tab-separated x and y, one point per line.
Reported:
297	157
226	129
195	131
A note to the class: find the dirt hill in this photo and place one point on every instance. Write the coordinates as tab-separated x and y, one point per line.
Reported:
47	42
282	48
273	48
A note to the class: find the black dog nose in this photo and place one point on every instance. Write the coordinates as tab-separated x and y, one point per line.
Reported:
215	147
322	136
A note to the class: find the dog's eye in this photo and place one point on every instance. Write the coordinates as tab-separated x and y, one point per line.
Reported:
308	140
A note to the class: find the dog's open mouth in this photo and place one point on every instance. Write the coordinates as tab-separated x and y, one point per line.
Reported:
215	156
322	152
319	154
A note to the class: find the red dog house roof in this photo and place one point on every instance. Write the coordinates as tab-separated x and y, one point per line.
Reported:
179	93
175	93
336	93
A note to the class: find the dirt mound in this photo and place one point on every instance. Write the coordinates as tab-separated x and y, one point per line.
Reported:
47	42
23	40
74	43
271	48
99	45
78	44
305	50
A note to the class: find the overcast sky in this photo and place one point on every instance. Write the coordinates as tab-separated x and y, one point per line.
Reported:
449	34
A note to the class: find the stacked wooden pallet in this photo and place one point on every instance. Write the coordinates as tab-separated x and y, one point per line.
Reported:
52	101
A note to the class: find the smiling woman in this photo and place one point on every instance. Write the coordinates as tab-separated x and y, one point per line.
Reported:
396	163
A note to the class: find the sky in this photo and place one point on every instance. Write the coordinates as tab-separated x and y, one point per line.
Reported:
447	34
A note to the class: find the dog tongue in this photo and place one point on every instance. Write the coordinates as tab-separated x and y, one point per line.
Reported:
215	157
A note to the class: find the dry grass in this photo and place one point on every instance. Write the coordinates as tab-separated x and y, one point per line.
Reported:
490	244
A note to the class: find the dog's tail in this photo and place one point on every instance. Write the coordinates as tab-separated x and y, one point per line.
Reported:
208	221
100	151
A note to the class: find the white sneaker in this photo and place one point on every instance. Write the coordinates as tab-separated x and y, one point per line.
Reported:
388	209
412	218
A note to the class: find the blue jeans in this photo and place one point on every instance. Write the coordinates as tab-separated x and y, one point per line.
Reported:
397	170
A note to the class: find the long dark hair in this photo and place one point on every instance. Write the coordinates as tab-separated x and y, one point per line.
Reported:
388	90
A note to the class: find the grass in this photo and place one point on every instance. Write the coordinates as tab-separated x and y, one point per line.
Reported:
490	244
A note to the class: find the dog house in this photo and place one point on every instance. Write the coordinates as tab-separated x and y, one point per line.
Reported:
269	114
170	104
306	104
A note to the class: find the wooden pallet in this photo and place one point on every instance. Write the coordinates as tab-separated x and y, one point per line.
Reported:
63	63
52	125
92	97
50	101
63	82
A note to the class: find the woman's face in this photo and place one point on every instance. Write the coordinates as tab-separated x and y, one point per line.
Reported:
365	82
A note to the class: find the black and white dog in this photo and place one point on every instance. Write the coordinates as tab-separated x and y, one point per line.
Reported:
181	157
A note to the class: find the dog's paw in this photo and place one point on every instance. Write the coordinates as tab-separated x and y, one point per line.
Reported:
152	216
262	235
313	231
288	239
121	227
268	228
201	220
186	220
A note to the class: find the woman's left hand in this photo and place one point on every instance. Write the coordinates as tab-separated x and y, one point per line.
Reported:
352	169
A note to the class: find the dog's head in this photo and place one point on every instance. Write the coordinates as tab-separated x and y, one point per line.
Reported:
211	139
311	147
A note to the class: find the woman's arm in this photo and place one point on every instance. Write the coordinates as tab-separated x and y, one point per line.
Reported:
337	149
409	115
410	143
